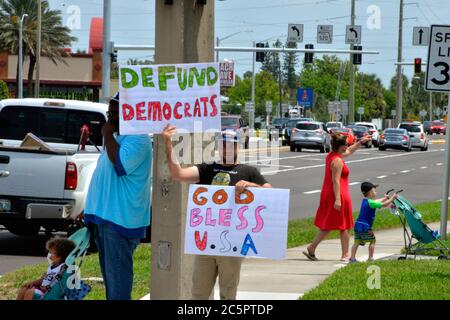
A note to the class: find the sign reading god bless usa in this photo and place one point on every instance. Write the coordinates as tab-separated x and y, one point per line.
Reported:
184	95
220	222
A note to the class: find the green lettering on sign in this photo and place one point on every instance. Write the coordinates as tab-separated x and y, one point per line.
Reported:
213	76
123	78
200	78
147	77
165	73
182	78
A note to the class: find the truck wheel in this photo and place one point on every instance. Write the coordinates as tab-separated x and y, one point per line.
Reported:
23	230
292	148
322	149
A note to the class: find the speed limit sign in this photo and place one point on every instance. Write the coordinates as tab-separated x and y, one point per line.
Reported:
438	66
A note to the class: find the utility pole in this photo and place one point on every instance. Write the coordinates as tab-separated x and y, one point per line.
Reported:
351	93
431	106
399	66
252	113
20	56
171	269
38	49
106	61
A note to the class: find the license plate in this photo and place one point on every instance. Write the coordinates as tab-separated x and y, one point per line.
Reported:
5	205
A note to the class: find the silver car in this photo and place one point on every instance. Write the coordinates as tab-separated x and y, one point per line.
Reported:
310	135
419	138
395	139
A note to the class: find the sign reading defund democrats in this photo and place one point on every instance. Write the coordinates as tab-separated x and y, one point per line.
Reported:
184	95
221	223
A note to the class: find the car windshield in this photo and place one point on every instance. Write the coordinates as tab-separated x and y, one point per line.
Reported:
410	127
50	124
307	126
229	122
360	129
394	131
291	123
370	126
333	125
438	123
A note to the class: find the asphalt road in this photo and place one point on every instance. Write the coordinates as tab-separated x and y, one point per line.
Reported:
418	173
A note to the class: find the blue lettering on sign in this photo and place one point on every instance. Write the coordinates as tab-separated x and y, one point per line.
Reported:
248	243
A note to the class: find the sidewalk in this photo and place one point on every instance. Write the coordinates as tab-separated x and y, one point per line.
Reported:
290	278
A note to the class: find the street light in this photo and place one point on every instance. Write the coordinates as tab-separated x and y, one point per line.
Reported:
21	56
226	37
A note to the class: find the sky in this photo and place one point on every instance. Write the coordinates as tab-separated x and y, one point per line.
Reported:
133	22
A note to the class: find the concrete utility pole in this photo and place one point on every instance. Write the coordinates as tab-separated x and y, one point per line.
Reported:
399	66
38	49
351	93
184	34
106	61
252	113
20	75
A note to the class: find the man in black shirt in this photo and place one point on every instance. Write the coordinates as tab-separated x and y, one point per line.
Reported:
226	172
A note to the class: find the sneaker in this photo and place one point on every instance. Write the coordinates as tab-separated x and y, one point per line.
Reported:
353	260
370	259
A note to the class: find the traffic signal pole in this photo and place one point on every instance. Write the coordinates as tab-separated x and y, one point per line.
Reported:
351	93
106	55
184	34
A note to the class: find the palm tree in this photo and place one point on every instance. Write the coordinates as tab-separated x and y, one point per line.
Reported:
54	36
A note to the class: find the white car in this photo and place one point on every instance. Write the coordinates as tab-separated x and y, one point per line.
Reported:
46	186
373	130
417	134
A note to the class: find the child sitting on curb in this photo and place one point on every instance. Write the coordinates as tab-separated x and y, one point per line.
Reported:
363	225
58	250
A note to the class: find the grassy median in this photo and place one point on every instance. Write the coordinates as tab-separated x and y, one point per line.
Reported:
398	280
300	232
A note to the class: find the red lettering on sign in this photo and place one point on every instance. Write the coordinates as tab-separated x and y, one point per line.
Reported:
127	112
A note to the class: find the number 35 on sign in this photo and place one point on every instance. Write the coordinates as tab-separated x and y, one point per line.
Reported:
438	66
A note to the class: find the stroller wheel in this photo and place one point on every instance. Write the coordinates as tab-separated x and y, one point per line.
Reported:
442	257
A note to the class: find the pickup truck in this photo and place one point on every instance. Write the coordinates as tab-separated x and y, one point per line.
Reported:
46	187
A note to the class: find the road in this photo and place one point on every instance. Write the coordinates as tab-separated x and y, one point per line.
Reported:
418	173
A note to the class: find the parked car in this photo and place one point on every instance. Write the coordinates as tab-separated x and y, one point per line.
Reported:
46	185
360	132
437	127
395	139
288	130
277	127
373	130
351	138
419	138
330	125
310	135
235	122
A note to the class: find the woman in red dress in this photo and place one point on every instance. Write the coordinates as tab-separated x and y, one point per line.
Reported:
335	209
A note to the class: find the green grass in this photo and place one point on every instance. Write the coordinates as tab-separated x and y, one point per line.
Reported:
399	280
300	232
435	252
303	231
11	282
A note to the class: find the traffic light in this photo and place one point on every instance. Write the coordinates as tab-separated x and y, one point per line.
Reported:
309	56
357	57
417	65
260	56
114	56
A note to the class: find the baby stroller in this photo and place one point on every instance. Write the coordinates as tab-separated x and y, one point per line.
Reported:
419	230
67	284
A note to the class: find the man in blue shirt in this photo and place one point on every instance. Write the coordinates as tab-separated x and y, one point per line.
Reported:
118	203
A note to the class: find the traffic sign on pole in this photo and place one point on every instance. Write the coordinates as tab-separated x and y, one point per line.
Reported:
268	106
249	106
438	79
295	32
438	64
421	36
353	35
325	34
361	110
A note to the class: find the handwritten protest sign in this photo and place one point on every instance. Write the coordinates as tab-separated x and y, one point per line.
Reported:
184	95
220	223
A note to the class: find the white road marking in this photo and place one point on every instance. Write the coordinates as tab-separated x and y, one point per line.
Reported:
351	161
312	192
381	177
424	167
405	171
439	164
354	183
